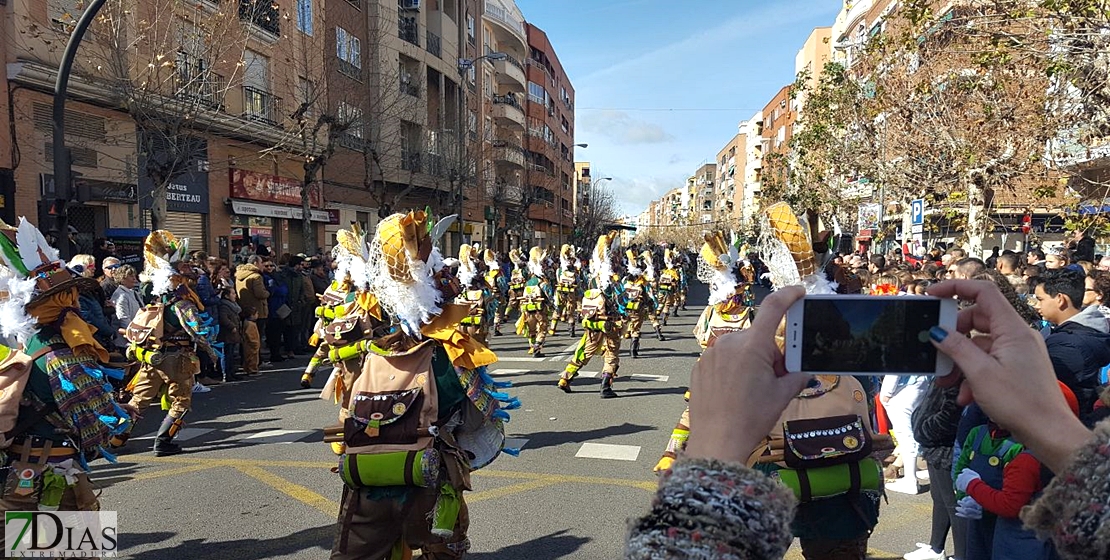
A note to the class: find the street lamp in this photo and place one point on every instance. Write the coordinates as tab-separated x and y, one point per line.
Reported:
582	145
465	64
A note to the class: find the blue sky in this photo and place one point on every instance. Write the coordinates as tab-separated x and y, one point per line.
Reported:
710	64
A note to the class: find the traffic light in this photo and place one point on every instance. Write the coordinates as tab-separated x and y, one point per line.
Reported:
48	216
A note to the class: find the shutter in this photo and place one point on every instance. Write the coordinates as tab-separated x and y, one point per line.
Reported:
185	224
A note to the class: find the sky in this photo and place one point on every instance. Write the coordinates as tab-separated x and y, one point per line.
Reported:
661	85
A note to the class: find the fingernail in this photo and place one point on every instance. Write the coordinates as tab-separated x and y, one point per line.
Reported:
938	334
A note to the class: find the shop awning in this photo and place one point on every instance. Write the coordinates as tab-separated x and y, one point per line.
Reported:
1095	207
246	208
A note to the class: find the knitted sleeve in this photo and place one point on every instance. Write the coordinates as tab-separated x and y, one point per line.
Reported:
1073	510
714	509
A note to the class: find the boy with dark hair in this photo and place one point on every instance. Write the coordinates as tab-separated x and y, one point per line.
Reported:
1079	344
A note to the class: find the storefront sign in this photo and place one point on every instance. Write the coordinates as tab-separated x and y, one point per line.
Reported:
244	208
188	191
270	188
869	216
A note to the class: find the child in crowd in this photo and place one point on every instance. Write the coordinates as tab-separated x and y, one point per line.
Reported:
230	329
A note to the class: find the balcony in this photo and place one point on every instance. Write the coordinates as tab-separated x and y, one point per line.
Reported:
507	154
262	14
408	30
411	160
511	69
507	110
504	19
194	82
503	192
260	105
433	44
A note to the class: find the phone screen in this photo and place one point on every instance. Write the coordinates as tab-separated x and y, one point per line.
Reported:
872	335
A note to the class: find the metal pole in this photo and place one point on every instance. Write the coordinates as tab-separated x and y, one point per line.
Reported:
63	187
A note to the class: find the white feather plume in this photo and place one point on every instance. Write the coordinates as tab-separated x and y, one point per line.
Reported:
33	246
649	270
161	277
15	323
535	268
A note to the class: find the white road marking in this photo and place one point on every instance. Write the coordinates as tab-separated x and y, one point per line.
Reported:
185	434
648	376
608	451
508	371
278	436
267	370
519	359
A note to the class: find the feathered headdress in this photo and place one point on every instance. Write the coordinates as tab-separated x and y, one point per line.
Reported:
632	264
401	266
648	261
516	257
161	253
601	264
468	268
668	257
566	257
536	256
786	250
34	273
351	253
717	266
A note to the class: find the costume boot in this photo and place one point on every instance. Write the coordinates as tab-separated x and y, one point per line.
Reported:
607	391
659	333
306	381
564	384
118	441
636	347
163	442
539	350
665	318
571	323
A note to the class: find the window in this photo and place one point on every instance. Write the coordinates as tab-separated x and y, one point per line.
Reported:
348	48
306	95
352	117
256	70
470	27
536	93
304	16
488	84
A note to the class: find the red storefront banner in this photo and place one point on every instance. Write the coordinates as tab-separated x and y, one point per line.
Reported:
270	188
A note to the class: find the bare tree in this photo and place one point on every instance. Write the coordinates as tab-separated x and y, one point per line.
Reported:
598	211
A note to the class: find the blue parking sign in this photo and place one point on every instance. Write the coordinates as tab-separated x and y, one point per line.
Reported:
917	212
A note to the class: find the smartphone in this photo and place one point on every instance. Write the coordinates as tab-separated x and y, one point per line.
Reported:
867	335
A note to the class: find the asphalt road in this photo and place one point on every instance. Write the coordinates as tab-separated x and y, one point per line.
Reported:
255	482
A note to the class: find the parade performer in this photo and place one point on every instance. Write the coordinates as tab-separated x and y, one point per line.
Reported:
638	300
348	318
57	412
669	283
568	291
684	265
424	412
476	295
730	309
164	338
838	498
500	288
535	304
602	317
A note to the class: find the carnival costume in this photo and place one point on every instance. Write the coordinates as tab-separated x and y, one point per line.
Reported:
475	295
838	498
57	412
730	309
568	292
670	286
164	338
500	288
424	412
602	317
638	300
535	304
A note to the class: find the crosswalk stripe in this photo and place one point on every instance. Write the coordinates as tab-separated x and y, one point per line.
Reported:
648	376
519	359
608	451
185	434
278	436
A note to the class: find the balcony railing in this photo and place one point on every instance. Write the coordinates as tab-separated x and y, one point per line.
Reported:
408	30
260	105
410	88
504	17
262	13
411	160
195	82
507	99
432	42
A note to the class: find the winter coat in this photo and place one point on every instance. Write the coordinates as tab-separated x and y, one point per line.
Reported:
93	314
935	422
251	288
207	294
230	324
319	285
279	293
1079	348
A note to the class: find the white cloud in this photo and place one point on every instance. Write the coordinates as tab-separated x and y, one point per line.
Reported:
624	129
633	194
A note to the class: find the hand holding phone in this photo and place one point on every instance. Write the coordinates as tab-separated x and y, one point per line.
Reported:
867	335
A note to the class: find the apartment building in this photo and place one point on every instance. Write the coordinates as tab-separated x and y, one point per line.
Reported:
730	178
549	153
752	129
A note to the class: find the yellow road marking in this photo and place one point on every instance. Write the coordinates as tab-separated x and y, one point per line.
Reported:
171	472
494	493
295	491
649	485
